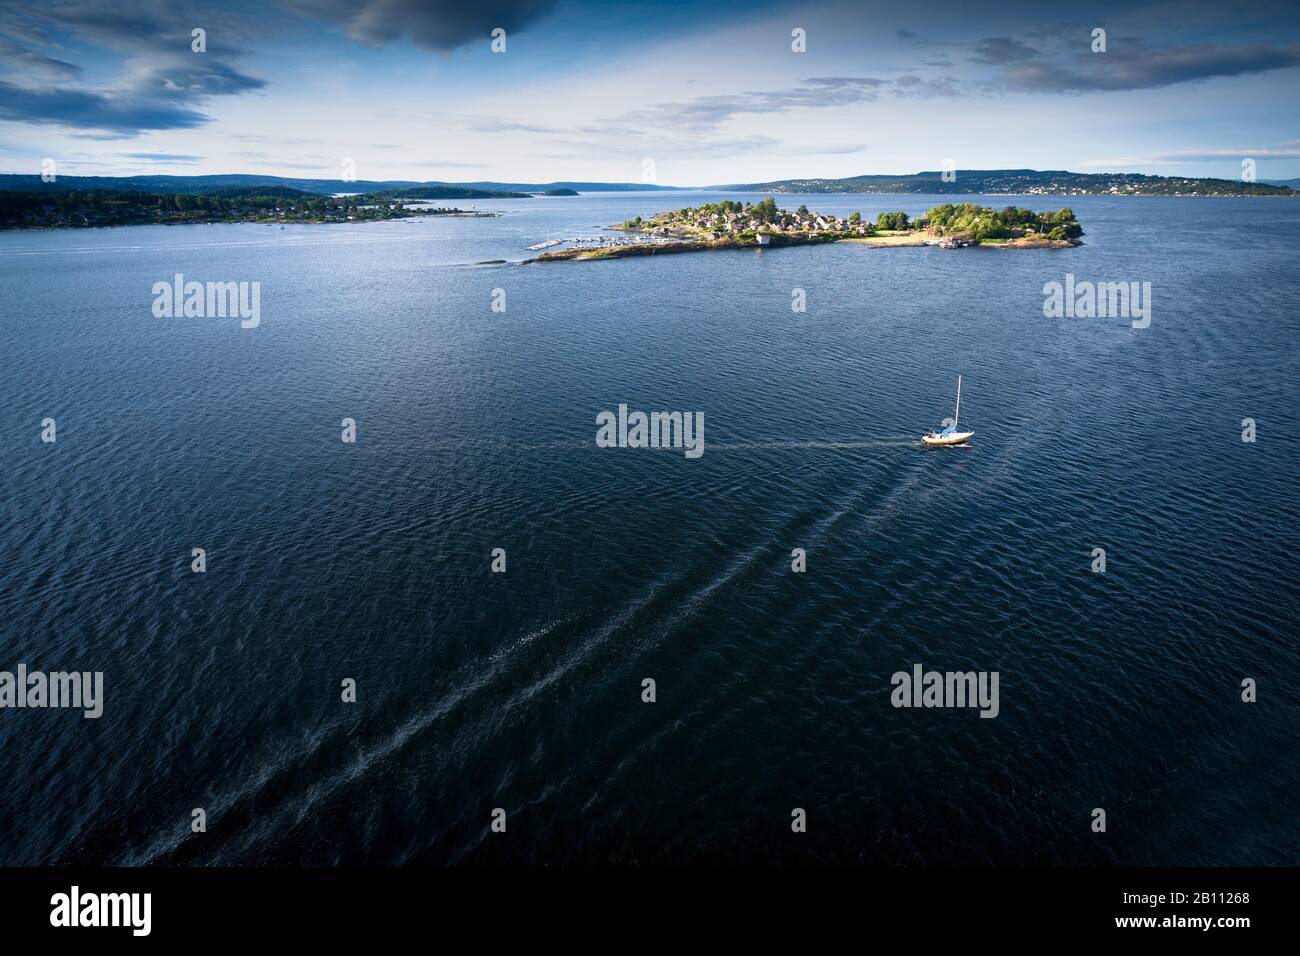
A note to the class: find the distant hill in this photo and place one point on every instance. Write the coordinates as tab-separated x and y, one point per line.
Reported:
1020	182
576	187
445	192
206	184
970	181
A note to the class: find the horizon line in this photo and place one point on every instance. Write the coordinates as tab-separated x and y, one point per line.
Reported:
649	186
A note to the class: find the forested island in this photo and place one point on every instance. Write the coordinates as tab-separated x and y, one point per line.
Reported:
731	224
268	204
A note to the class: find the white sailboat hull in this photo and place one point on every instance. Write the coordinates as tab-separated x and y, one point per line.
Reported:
956	438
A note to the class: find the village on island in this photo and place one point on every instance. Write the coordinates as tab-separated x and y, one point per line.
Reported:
730	224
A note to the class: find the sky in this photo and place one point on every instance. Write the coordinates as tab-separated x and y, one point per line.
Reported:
668	92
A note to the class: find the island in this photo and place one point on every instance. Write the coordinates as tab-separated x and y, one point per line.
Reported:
263	204
562	191
731	224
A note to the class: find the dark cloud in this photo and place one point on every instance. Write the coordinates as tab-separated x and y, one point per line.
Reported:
22	61
187	77
137	26
161	83
1001	51
913	86
95	111
1136	67
433	24
166	94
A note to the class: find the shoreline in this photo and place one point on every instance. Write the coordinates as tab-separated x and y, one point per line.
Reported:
916	240
921	239
270	221
579	253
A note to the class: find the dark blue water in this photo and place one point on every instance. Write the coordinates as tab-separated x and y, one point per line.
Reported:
522	690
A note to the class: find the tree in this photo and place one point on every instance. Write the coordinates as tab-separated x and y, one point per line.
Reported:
891	220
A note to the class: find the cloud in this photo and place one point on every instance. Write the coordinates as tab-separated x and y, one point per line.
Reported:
160	84
184	77
1286	150
442	25
157	94
138	26
706	113
21	60
163	157
495	124
911	85
1000	51
1135	66
265	140
91	110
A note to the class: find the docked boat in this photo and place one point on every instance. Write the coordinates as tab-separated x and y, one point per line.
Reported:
949	435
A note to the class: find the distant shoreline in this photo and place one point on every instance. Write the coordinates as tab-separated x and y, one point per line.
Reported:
72	209
965	182
58	227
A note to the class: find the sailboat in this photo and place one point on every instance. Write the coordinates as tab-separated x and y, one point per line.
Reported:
950	435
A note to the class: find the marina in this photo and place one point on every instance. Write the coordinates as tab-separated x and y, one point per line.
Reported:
579	244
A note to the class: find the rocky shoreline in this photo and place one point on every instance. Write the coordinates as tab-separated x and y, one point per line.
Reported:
673	246
670	247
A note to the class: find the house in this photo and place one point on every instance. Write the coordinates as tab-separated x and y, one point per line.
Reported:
764	239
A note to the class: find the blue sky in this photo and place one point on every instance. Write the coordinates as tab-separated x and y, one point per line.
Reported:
688	93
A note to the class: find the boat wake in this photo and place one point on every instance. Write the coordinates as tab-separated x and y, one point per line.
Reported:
848	443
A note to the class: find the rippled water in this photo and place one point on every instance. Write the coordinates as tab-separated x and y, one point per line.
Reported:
476	430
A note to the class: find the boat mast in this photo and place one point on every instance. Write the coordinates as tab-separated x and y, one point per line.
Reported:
957	414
